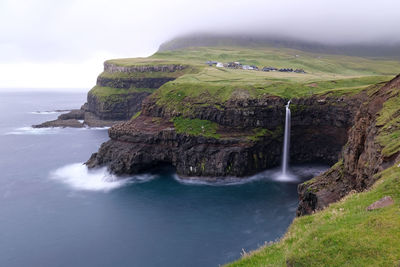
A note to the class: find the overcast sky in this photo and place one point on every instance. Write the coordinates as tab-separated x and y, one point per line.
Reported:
62	44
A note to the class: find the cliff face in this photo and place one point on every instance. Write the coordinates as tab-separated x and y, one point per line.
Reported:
120	90
362	156
319	130
117	108
147	142
118	94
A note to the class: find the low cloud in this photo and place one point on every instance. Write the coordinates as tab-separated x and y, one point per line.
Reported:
44	31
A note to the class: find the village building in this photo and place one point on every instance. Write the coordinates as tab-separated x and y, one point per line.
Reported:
269	69
285	70
299	71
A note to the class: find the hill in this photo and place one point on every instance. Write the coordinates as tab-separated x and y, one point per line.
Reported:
200	83
374	50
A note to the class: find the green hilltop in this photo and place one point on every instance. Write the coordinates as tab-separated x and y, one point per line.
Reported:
204	84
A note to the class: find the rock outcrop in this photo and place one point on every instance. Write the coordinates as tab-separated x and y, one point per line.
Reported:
361	157
151	139
147	142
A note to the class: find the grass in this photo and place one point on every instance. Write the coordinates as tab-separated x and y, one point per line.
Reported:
115	94
259	133
185	93
344	234
196	127
137	114
313	63
389	120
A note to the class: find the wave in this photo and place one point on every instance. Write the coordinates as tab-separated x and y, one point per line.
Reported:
33	131
48	130
95	128
79	177
49	112
295	175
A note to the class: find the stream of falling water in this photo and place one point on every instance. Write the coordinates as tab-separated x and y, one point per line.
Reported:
286	142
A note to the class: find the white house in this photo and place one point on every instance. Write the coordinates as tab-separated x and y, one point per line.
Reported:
219	65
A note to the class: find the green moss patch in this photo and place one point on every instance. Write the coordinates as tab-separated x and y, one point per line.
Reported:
136	115
116	94
196	127
389	120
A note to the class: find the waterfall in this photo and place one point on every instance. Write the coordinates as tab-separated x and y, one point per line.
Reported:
286	141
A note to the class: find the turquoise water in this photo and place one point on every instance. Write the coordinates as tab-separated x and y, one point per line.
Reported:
53	212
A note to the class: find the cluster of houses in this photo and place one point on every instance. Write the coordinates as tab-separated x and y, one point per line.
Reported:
237	65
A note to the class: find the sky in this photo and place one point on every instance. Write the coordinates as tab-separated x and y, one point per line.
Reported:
54	45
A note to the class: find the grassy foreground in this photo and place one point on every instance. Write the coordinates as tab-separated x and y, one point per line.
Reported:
344	234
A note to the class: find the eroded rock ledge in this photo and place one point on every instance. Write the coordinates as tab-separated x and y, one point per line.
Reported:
112	68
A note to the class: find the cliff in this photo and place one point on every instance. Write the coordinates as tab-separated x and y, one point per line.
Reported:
364	154
246	137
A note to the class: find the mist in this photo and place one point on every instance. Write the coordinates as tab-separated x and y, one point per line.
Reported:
51	44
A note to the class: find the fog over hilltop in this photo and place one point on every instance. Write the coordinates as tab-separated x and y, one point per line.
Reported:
73	38
363	49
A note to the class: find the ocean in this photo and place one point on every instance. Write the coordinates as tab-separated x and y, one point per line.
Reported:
54	212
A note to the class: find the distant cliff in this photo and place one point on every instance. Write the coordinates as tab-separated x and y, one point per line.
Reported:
118	94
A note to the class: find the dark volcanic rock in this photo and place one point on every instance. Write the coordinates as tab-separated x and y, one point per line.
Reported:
75	114
77	118
142	144
319	124
127	83
73	123
381	203
121	108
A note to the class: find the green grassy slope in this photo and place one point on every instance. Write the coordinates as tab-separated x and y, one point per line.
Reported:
317	64
344	234
204	83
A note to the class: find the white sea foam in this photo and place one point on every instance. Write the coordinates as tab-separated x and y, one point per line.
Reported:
33	131
217	181
296	174
285	177
48	112
48	130
96	128
85	127
79	177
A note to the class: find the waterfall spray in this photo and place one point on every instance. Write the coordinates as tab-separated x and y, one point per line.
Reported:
286	141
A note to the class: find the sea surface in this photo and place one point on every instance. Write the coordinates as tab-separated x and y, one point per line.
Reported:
54	212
